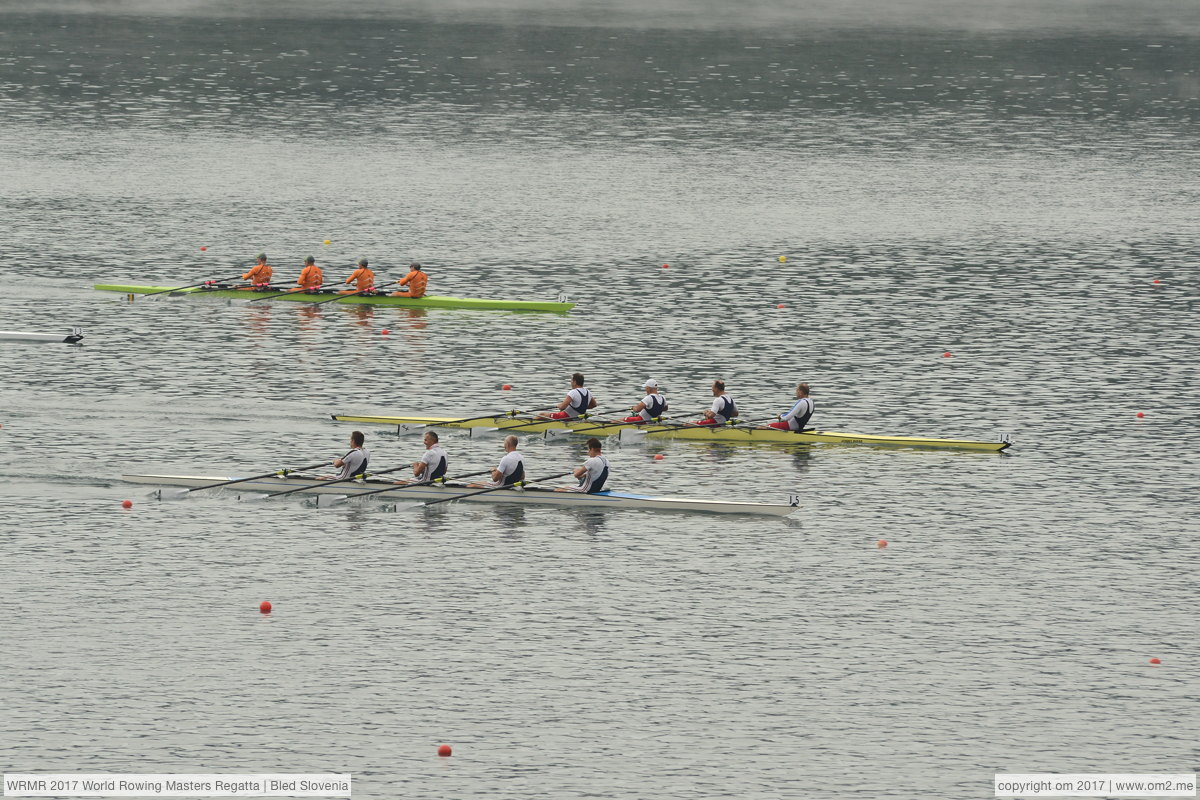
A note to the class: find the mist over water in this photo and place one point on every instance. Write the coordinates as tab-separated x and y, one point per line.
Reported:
1013	184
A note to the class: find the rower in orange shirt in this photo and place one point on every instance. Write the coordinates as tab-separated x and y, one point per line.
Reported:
260	273
364	276
310	277
415	280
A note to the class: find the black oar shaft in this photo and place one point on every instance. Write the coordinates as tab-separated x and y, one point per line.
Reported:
423	483
192	286
352	294
323	484
496	489
280	472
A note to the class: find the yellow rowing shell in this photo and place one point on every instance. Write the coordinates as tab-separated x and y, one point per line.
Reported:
702	433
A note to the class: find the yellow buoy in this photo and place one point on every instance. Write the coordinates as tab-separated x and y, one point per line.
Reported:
328	242
783	258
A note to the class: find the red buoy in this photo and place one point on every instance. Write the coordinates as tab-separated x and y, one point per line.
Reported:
445	750
126	504
780	305
882	543
1155	661
384	332
659	456
203	248
1156	280
1140	415
946	354
264	607
666	266
506	386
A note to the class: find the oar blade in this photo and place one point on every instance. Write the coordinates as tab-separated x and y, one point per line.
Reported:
483	433
557	433
171	494
632	436
252	498
411	428
330	500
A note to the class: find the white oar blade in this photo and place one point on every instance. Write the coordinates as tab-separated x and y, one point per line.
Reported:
409	428
556	433
632	435
477	433
171	494
330	500
252	498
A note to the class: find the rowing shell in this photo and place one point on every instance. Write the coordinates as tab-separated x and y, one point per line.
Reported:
522	496
16	336
703	433
428	301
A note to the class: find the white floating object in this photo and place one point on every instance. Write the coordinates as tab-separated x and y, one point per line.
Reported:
18	336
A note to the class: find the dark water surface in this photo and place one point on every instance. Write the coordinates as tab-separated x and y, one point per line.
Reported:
1016	187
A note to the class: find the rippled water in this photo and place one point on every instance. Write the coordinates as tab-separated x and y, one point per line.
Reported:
1018	191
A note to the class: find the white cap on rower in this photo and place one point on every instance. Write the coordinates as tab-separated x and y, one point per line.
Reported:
650	384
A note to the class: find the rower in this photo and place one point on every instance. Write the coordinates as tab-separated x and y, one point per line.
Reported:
797	416
365	278
415	280
310	277
354	462
509	471
578	401
594	472
651	407
723	408
432	466
260	273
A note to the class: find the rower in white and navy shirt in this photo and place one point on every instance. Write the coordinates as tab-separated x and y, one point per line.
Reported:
594	472
355	462
432	465
652	406
577	402
797	416
723	408
511	468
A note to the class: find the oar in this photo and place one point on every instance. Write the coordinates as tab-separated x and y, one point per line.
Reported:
493	489
333	499
179	493
351	294
636	434
193	286
412	427
489	431
299	289
552	432
323	484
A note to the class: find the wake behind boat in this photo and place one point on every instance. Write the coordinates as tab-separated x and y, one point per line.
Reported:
526	495
704	433
74	337
227	290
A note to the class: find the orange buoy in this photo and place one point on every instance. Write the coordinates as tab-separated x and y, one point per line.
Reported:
126	504
445	750
780	305
506	386
882	543
1140	415
946	354
666	266
264	607
384	332
659	456
1156	280
203	248
1155	661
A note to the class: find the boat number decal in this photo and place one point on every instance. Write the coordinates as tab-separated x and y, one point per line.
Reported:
1006	438
564	298
793	499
